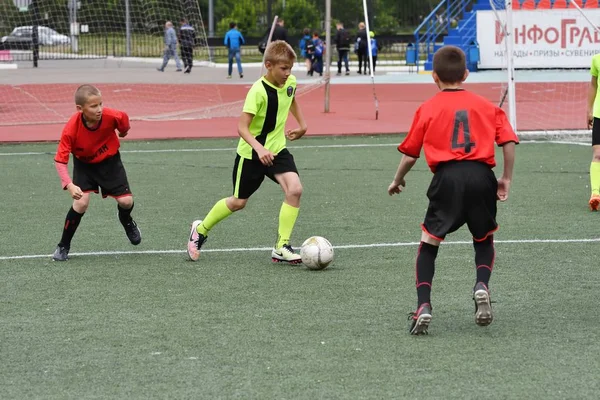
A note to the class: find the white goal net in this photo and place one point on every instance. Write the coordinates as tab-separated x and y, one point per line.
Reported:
542	51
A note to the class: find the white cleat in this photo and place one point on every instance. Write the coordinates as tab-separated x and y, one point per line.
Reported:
286	254
195	241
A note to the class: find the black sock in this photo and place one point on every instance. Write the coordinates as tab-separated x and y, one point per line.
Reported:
71	223
484	259
425	270
124	214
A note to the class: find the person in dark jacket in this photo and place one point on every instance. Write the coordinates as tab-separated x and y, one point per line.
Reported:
362	47
187	40
280	33
342	43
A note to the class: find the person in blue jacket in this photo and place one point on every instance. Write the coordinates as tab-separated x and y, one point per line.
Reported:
234	41
373	50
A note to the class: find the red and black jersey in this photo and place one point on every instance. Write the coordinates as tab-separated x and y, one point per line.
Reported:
92	145
456	125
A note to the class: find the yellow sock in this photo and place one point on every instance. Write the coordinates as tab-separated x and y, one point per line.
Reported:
218	213
287	220
595	178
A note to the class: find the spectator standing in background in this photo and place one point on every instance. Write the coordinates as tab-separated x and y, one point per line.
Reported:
303	49
234	41
170	47
342	43
319	49
280	33
187	40
362	47
373	50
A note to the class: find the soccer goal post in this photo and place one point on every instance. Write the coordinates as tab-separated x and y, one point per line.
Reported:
541	52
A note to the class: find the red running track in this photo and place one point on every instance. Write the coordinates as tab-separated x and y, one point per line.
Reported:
556	105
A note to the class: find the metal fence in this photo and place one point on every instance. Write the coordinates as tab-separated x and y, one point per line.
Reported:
97	29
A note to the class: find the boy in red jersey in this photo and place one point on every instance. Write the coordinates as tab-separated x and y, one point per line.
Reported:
90	136
457	130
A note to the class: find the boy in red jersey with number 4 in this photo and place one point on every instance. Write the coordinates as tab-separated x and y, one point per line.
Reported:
457	130
90	136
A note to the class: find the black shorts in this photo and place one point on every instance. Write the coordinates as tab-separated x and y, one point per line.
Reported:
248	175
462	192
596	132
108	175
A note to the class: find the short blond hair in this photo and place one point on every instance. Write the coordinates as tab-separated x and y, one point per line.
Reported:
279	51
84	92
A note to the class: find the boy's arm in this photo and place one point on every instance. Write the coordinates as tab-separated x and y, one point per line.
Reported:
410	149
406	164
61	161
123	124
508	151
297	133
266	157
593	89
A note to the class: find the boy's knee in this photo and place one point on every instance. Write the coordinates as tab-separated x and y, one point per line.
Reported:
81	205
235	204
294	190
125	202
596	155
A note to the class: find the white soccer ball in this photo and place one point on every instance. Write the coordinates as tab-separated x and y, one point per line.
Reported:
316	253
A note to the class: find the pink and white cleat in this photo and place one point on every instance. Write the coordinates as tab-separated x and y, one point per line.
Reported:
195	242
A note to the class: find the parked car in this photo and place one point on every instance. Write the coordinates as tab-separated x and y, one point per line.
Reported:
20	38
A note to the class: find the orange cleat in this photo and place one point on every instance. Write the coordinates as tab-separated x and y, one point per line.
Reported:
594	202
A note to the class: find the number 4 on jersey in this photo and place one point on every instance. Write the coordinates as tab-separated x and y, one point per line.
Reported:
461	124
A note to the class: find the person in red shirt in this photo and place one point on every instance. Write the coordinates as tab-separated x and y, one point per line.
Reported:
90	136
457	130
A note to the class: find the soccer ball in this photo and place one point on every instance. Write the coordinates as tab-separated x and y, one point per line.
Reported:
316	253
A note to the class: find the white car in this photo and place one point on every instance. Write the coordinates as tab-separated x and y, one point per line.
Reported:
46	36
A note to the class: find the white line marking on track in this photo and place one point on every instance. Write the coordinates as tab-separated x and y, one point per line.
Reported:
346	246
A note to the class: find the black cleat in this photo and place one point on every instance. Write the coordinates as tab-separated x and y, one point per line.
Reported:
420	320
61	253
133	232
483	305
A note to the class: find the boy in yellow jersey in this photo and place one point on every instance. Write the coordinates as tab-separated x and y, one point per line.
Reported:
593	119
262	152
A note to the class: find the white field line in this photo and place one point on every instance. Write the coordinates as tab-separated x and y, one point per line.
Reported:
346	246
323	146
199	150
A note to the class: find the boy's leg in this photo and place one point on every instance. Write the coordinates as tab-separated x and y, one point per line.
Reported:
484	263
340	56
484	259
72	221
125	207
218	213
112	178
285	173
444	215
481	220
247	177
594	202
288	214
425	270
